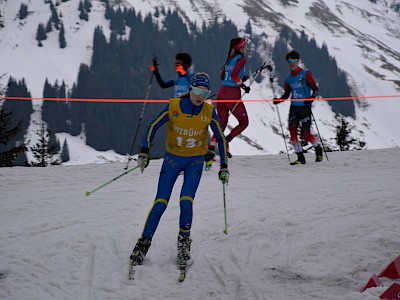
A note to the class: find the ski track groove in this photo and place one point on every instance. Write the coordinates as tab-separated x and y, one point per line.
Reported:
91	270
218	276
114	259
286	254
33	232
243	272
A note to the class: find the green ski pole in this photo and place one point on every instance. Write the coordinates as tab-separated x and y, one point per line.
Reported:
108	182
226	222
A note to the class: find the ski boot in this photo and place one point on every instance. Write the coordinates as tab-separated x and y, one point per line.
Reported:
318	153
140	250
183	246
208	165
301	160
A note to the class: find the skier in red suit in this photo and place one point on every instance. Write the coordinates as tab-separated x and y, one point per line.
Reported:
232	74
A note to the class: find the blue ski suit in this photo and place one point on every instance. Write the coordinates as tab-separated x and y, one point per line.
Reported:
180	82
187	131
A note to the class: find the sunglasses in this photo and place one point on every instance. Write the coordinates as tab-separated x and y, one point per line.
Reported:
292	61
200	92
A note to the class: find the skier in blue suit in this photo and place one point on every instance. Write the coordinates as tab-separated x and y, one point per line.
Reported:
188	119
181	81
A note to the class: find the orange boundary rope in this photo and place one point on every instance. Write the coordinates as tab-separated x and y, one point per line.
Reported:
96	100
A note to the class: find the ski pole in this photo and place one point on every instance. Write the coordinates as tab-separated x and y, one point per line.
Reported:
141	113
319	135
283	135
226	222
254	77
112	180
271	80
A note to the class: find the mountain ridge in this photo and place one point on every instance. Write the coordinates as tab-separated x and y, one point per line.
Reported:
365	51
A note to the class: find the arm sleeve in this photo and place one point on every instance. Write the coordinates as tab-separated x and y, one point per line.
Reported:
217	130
222	75
162	118
311	82
235	73
287	91
164	84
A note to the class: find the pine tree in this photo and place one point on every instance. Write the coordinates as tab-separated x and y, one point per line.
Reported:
1	21
88	5
55	113
83	15
23	11
53	144
7	133
49	26
108	11
41	34
42	151
248	30
156	13
65	152
61	37
343	130
54	16
21	115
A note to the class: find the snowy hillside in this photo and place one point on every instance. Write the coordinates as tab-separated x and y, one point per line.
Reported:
317	231
362	36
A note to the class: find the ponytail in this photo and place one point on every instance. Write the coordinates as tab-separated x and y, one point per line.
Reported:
232	44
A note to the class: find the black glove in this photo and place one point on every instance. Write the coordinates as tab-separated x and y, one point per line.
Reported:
209	155
309	101
143	159
154	67
277	101
223	174
245	88
228	139
245	77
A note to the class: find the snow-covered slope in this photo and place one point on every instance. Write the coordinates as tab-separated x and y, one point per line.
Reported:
317	231
362	36
20	55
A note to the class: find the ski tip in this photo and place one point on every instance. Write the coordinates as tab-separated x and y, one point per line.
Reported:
225	231
88	194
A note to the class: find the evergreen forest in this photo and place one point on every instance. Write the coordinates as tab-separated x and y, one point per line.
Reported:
120	69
